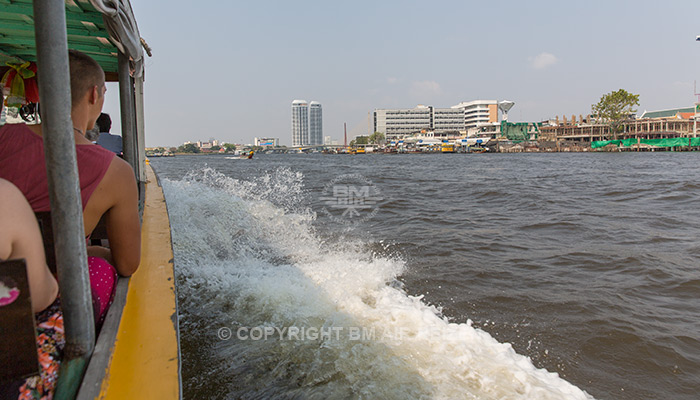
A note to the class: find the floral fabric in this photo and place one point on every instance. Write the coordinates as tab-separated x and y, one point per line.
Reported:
50	343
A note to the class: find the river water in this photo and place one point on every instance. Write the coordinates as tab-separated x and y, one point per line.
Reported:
474	276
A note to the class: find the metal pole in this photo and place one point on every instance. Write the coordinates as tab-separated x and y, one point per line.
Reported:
64	193
126	100
140	128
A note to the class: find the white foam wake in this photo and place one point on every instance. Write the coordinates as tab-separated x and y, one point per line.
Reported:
248	258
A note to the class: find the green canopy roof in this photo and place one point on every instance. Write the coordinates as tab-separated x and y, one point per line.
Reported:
85	25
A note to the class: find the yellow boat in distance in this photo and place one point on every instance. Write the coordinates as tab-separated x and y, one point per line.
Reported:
357	149
447	148
136	355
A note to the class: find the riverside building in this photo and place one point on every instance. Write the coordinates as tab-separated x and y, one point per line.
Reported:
266	142
396	123
403	121
448	120
478	112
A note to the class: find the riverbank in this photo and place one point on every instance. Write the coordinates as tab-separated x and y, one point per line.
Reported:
493	146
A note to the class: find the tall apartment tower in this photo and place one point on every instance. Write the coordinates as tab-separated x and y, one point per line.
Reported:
300	123
315	123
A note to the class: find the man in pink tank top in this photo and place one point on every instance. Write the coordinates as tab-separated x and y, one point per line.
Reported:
108	186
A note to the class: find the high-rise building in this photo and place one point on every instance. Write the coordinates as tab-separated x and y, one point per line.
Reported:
307	123
300	123
315	123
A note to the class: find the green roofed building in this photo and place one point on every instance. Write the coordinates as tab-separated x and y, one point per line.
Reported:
670	113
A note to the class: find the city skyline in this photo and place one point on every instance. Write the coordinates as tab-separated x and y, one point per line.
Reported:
551	58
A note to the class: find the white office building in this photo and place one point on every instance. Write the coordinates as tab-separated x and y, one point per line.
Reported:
478	112
448	120
315	123
300	123
404	121
396	123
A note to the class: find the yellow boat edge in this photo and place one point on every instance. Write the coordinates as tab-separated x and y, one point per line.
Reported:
145	362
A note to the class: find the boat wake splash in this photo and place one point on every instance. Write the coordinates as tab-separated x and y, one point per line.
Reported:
271	308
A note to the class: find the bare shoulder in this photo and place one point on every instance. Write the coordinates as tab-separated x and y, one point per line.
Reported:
116	189
7	200
16	217
6	188
11	198
119	174
10	201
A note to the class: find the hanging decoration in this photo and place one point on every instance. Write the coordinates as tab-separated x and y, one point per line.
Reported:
19	84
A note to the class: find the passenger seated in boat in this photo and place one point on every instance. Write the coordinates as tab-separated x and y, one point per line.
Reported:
20	238
107	140
107	183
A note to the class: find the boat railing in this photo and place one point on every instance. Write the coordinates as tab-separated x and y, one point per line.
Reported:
66	220
64	194
112	365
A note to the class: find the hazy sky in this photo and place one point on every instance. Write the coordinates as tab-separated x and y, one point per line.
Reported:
230	70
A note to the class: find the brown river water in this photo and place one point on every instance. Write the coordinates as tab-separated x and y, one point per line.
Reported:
479	276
